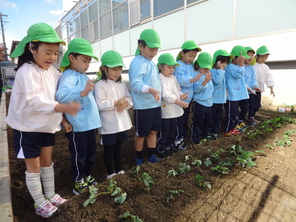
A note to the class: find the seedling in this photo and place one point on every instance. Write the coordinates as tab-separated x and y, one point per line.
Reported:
199	182
184	168
136	170
147	179
220	169
172	194
194	162
128	217
207	162
112	189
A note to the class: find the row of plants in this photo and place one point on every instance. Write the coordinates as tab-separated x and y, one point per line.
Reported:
221	161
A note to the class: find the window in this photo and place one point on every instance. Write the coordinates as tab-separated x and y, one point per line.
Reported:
120	18
93	11
145	8
116	3
105	25
104	6
191	1
163	6
134	12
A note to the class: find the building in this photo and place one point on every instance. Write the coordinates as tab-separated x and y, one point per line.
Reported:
213	24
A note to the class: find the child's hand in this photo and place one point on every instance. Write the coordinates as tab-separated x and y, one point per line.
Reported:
241	60
196	78
221	65
208	77
88	87
184	96
67	125
72	108
272	92
251	91
120	104
155	94
257	89
181	103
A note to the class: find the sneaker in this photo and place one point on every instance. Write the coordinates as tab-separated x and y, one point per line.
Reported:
238	128
242	125
120	172
214	136
182	146
57	200
153	159
90	180
139	161
79	187
208	137
111	175
46	209
231	133
252	121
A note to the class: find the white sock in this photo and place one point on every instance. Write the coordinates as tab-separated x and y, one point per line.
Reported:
34	186
47	178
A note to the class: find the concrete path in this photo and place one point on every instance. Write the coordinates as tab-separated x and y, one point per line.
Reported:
6	214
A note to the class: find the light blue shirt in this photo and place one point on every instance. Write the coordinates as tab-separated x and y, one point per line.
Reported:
218	78
142	73
235	83
184	73
203	94
70	85
250	77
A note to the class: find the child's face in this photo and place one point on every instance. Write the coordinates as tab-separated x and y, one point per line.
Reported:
46	54
147	52
249	60
203	70
113	73
188	57
80	63
167	70
262	58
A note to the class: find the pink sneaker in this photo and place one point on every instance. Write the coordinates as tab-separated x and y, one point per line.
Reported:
57	200
46	209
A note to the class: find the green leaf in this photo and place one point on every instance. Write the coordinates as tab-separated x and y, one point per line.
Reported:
120	199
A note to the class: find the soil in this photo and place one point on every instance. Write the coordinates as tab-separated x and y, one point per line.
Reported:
261	193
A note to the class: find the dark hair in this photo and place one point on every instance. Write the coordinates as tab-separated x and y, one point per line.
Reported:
195	65
142	42
75	54
104	75
222	59
188	50
27	56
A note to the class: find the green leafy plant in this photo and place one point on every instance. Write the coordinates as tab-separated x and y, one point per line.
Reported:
195	162
207	162
243	157
184	167
220	169
112	190
147	179
136	170
172	194
128	217
199	182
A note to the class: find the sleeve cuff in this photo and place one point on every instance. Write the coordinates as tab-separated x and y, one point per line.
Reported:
145	89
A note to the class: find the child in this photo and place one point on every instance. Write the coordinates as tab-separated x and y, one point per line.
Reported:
185	76
220	60
145	90
113	101
236	88
264	77
203	91
35	115
252	87
75	85
171	104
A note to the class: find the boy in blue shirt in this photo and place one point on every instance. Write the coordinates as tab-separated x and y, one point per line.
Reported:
236	88
74	85
145	90
203	92
220	60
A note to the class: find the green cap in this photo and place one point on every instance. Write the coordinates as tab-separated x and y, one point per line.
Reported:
221	52
39	32
189	45
238	50
80	46
248	48
167	59
112	59
263	50
204	60
151	38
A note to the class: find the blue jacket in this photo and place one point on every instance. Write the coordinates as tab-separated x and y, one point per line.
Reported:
203	94
218	78
184	73
70	85
235	83
143	72
250	77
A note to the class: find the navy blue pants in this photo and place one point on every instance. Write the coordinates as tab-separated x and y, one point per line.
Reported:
254	104
217	111
82	147
231	115
201	123
182	123
244	109
166	136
